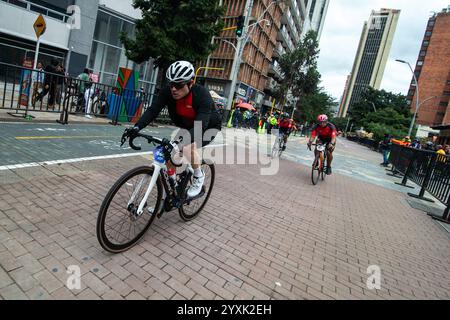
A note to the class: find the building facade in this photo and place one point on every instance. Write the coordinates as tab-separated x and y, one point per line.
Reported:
90	39
433	73
257	53
316	13
281	27
371	57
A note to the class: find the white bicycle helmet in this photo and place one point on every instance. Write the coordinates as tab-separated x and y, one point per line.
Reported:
180	71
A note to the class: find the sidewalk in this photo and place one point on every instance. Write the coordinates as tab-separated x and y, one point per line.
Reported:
262	237
48	117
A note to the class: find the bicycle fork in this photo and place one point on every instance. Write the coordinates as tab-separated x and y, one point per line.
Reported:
152	184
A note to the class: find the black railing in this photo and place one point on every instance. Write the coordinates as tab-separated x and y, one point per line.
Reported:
23	90
429	170
372	144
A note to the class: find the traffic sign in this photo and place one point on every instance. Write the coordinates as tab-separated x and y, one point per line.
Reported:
40	26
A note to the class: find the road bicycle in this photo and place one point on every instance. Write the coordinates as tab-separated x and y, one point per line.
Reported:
147	192
319	167
278	147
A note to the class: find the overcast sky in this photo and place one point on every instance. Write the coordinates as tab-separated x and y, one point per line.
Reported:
342	31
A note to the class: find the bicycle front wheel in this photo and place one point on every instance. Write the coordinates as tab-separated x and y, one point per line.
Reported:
276	150
191	209
315	172
119	227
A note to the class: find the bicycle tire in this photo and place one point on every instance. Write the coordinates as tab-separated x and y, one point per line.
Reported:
315	173
276	149
102	236
184	215
323	174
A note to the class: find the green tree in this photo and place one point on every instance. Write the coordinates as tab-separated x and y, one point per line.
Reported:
299	69
174	30
340	123
371	100
316	103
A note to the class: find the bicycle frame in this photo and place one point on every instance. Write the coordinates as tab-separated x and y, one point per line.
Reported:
321	155
160	170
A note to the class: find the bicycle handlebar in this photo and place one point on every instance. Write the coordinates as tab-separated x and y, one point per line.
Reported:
170	147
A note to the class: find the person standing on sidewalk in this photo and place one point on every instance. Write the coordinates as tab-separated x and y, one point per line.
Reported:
49	84
38	78
83	82
385	147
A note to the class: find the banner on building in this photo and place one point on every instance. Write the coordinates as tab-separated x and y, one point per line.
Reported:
126	105
25	83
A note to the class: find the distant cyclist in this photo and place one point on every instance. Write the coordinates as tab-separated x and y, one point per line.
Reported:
326	132
286	126
187	103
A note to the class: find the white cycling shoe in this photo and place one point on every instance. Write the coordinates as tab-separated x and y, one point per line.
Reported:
196	187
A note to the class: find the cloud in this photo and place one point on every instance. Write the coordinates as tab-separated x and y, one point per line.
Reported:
342	32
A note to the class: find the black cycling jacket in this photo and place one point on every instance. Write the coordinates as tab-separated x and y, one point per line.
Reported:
202	103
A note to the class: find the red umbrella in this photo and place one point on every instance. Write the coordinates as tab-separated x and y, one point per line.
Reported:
247	106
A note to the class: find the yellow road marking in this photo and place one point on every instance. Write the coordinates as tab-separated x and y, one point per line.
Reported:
63	137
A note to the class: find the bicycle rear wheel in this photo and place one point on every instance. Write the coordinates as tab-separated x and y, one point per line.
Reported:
315	172
191	209
118	226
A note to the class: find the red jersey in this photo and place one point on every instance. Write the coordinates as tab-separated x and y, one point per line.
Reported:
286	124
328	132
185	109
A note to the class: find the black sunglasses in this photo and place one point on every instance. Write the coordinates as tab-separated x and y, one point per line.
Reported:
177	85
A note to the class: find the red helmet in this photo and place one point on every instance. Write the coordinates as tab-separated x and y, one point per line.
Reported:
322	118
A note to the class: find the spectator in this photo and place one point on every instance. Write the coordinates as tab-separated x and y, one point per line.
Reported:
407	141
385	147
237	118
38	78
83	83
441	154
416	144
59	83
447	149
49	84
440	150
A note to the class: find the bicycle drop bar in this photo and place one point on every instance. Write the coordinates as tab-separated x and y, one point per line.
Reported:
169	146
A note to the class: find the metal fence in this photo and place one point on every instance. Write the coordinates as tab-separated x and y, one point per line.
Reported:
429	170
23	90
372	144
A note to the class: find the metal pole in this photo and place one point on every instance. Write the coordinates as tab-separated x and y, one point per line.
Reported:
417	102
36	55
240	48
237	57
346	127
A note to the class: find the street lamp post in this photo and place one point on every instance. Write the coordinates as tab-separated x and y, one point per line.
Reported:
240	48
411	127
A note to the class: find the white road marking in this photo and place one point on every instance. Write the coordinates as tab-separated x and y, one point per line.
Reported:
56	162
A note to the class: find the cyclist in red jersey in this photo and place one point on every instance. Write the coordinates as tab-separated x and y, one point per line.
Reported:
286	126
325	132
187	103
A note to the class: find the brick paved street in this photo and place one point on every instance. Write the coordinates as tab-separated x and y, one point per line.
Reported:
260	237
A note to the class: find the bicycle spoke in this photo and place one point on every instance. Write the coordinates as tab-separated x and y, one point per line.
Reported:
120	224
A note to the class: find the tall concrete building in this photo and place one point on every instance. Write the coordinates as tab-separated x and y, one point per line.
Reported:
372	55
316	11
433	73
94	43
